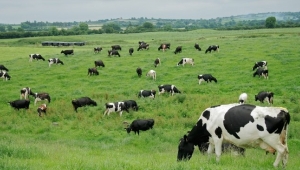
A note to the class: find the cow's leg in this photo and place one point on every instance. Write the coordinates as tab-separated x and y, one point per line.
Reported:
36	100
121	113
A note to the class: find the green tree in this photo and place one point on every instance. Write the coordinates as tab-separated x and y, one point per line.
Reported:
9	28
84	27
2	28
148	25
53	31
270	22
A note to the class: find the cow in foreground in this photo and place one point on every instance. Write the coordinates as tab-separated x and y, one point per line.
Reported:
147	93
99	63
243	125
243	98
139	71
212	48
3	68
152	74
184	61
97	49
20	104
259	64
131	104
157	62
115	107
42	109
55	61
207	78
140	124
25	92
178	50
92	71
83	101
197	47
67	52
35	57
168	88
41	96
265	96
113	53
5	75
131	50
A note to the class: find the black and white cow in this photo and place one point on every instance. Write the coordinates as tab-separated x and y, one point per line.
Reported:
178	50
5	75
259	64
164	46
41	96
168	88
197	47
131	104
265	96
140	124
20	104
97	49
67	52
147	93
113	52
157	62
243	98
142	42
207	78
131	50
35	57
83	101
184	61
139	71
212	47
262	72
55	61
115	107
92	71
243	125
42	109
151	73
116	47
25	92
99	63
3	68
143	47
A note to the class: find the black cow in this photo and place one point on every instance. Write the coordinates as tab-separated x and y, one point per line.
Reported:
197	47
131	50
140	124
4	75
131	104
116	47
99	63
207	78
41	96
212	47
139	71
262	72
113	52
92	71
97	49
67	52
42	109
25	92
143	46
3	68
168	88
142	42
20	104
259	64
83	101
156	62
178	50
263	95
164	46
55	61
35	57
147	93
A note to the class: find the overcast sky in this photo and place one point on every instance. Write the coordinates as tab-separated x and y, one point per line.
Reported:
17	11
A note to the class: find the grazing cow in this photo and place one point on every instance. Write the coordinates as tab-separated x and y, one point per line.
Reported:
140	124
139	71
263	95
242	125
142	42
207	78
35	57
67	52
97	49
25	92
197	47
3	68
4	75
168	88
92	71
143	46
130	51
20	104
42	109
41	96
147	93
243	98
83	101
184	61
113	52
262	71
164	46
99	63
157	62
212	47
259	64
131	104
55	61
116	47
178	50
115	107
152	74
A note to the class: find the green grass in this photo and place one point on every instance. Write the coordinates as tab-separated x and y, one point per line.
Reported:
64	139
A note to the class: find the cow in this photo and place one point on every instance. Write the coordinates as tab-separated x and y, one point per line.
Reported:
184	61
168	88
92	71
206	77
55	61
113	52
42	109
147	93
243	125
197	47
97	49
212	47
99	63
35	57
25	92
67	52
164	46
41	96
116	47
151	73
131	104
142	42
243	98
115	107
83	101
5	75
265	96
262	71
157	62
178	50
259	64
3	68
139	71
140	124
131	50
143	46
20	104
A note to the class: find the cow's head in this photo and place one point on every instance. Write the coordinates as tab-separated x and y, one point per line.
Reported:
185	149
180	62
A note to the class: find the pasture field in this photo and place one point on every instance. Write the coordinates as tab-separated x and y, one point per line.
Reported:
64	139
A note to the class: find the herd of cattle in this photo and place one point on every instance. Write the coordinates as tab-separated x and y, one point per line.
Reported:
234	126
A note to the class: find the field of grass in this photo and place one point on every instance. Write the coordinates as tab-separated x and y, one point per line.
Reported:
64	139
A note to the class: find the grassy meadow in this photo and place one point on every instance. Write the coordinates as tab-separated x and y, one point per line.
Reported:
87	140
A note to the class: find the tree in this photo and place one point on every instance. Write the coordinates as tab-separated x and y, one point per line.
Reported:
9	28
270	22
84	27
2	28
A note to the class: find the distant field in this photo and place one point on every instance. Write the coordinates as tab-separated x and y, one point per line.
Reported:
64	139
